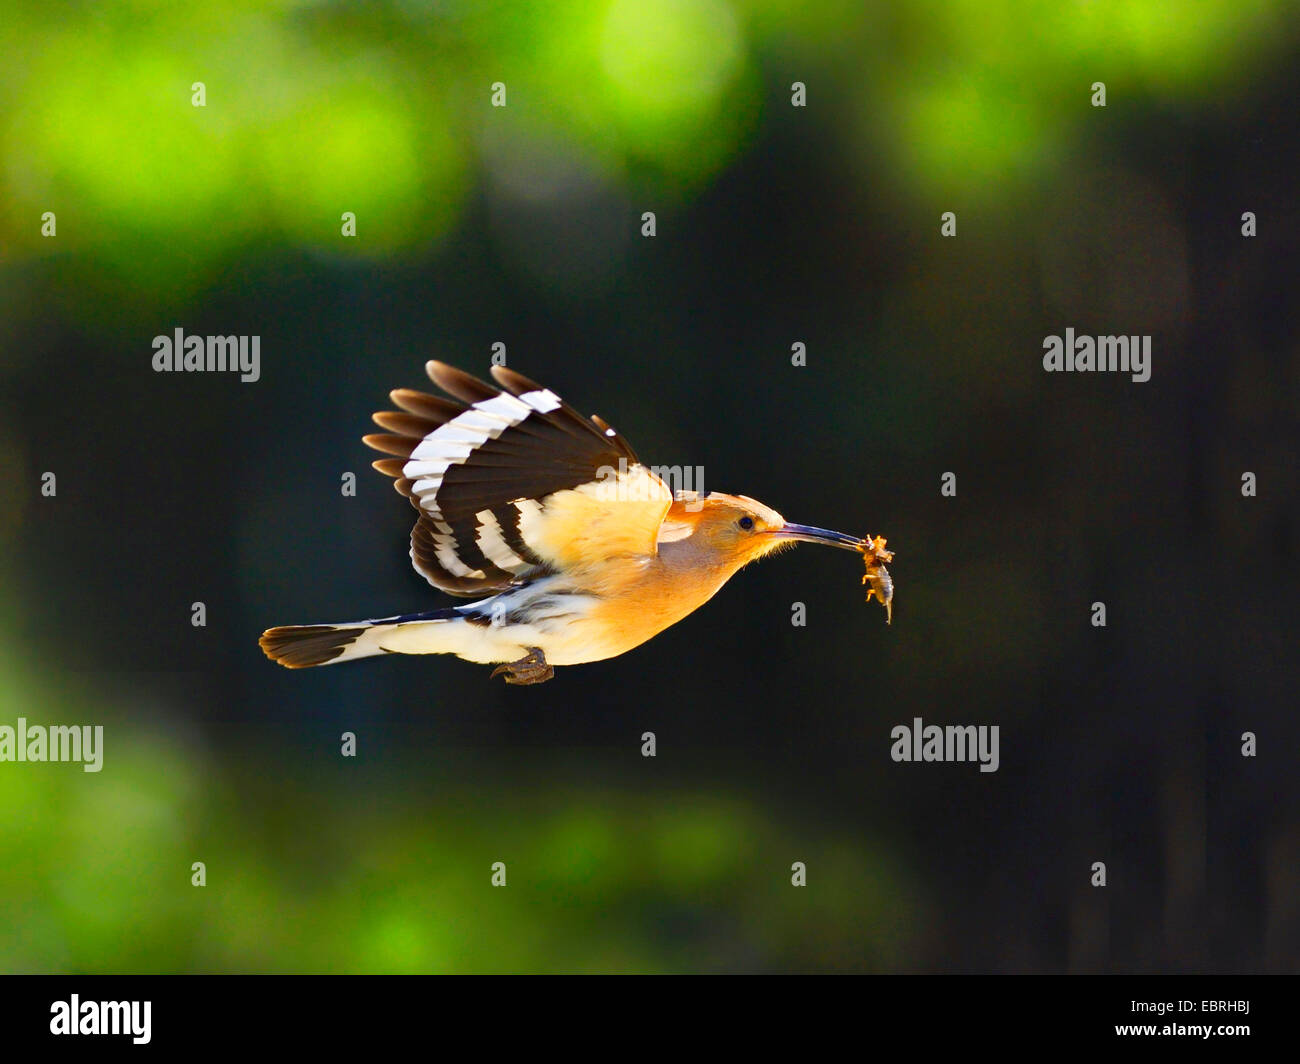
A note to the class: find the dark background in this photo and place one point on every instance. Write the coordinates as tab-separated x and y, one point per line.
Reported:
775	225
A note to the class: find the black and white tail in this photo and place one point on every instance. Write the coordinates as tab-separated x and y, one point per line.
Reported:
302	646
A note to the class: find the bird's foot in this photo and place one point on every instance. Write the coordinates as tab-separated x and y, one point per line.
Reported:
531	668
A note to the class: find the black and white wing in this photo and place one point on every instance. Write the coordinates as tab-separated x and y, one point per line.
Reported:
512	482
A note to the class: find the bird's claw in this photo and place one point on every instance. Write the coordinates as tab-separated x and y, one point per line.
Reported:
531	668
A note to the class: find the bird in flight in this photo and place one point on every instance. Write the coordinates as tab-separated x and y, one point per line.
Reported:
572	549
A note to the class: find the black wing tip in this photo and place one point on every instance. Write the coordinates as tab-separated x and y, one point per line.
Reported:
401	446
302	646
457	383
514	383
425	405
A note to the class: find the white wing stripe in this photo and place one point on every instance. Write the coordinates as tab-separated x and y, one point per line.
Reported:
432	466
477	419
502	406
453	443
452	433
494	547
450	449
530	518
444	550
543	402
439	441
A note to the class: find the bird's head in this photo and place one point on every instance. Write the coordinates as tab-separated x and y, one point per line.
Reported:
739	530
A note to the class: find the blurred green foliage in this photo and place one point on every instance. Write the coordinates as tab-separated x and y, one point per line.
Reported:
343	873
382	109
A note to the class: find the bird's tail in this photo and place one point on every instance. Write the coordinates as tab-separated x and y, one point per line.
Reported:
301	646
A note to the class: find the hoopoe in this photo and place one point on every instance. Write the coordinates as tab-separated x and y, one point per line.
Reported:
580	551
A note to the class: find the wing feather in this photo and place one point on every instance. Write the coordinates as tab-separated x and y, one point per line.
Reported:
511	482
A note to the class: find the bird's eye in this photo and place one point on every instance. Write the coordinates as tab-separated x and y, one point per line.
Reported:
746	523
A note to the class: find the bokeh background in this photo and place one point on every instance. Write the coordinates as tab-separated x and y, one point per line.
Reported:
776	225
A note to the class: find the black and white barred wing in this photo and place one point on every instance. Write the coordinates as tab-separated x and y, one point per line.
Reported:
512	482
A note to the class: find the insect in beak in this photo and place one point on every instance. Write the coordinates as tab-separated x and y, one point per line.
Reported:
882	584
873	553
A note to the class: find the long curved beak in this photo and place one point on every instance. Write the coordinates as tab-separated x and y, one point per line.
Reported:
808	534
